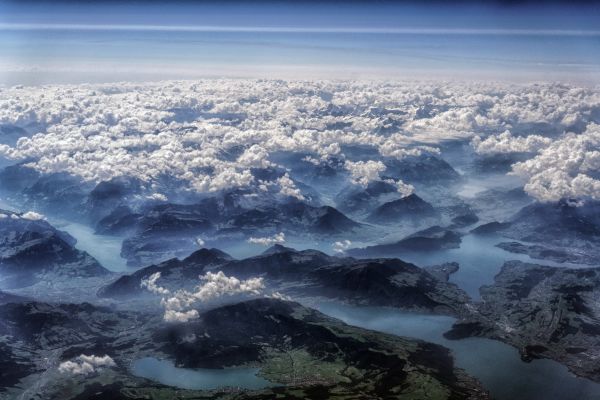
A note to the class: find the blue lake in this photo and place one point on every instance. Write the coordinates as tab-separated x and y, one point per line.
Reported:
498	366
165	372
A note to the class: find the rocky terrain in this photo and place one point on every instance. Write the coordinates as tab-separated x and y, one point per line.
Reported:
563	231
433	238
545	312
556	254
408	209
311	273
32	250
170	230
303	353
175	273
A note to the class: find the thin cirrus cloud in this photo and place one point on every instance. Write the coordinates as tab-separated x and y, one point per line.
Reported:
299	29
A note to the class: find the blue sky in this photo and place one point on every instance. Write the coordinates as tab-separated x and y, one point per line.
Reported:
46	42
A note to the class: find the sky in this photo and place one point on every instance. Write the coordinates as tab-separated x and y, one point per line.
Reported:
72	42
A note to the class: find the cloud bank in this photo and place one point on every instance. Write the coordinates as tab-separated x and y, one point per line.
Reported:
209	135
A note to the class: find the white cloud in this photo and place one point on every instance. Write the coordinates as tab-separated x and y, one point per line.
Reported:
158	196
277	238
363	172
180	316
32	216
506	143
151	285
288	187
179	304
84	365
200	242
405	189
341	246
185	130
565	168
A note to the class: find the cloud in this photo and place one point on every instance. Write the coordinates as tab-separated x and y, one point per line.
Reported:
278	238
208	135
506	143
32	216
567	168
200	242
180	316
363	172
85	365
288	187
150	284
341	246
179	304
157	196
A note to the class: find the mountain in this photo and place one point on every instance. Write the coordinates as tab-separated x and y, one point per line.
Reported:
313	355
15	178
356	198
107	196
170	230
433	238
424	169
499	204
301	352
545	312
387	282
31	250
10	298
59	193
310	273
9	134
175	273
566	229
409	208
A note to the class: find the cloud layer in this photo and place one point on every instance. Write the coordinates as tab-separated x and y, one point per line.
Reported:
209	135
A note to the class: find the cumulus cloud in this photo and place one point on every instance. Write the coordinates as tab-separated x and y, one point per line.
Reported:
405	189
208	135
288	187
32	216
150	284
341	246
277	238
179	304
567	168
158	196
363	172
506	143
85	365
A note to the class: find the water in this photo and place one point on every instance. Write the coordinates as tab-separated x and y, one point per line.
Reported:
479	258
106	249
167	373
498	366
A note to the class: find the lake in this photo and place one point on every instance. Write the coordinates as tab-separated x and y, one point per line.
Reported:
165	372
498	366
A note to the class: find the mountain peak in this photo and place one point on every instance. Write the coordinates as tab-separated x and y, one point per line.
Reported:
278	248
